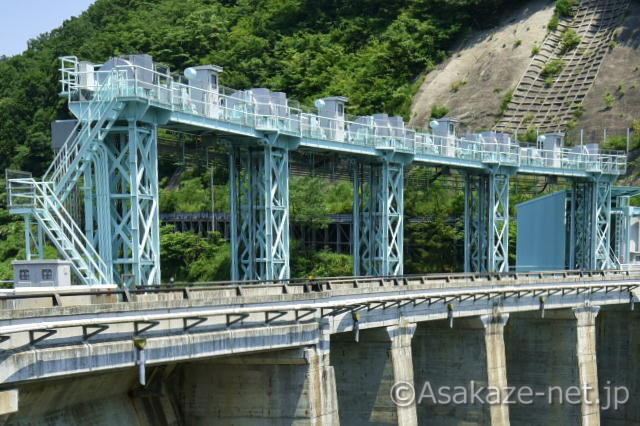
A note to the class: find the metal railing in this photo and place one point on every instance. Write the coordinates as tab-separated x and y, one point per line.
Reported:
83	132
63	231
259	113
185	290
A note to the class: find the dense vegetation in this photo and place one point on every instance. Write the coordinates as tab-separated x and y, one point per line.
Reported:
373	51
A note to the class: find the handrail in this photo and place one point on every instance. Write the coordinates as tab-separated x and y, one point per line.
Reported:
240	107
326	284
40	196
95	109
51	203
111	317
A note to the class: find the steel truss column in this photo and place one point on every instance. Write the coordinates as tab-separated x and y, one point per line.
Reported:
97	206
378	219
34	244
260	213
486	231
591	216
622	224
126	200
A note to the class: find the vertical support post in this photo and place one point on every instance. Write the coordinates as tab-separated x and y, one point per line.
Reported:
499	219
89	201
402	361
496	364
27	236
591	212
234	180
34	244
133	204
604	256
487	222
379	226
622	222
260	213
40	242
355	225
587	364
473	241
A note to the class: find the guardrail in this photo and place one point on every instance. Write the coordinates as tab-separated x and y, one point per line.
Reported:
278	311
229	289
258	112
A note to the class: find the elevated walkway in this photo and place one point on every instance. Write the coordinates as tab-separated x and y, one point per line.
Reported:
111	159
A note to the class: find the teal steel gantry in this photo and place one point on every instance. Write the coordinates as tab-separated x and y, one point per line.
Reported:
486	225
378	222
110	159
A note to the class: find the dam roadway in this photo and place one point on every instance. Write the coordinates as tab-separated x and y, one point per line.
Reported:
321	352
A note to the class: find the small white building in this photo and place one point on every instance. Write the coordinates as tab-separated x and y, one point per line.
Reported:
41	273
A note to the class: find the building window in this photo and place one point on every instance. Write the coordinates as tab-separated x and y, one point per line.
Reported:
24	274
47	275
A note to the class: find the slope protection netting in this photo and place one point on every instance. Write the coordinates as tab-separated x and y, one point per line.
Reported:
548	102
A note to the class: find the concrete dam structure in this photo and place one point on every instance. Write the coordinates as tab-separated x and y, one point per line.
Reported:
351	351
487	347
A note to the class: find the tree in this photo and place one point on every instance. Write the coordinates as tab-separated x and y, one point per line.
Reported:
186	256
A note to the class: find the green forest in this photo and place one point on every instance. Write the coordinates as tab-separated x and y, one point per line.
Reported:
372	51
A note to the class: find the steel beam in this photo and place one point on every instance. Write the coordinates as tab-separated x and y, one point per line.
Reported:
378	223
259	179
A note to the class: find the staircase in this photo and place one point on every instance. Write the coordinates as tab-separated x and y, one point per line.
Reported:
39	200
44	200
97	119
545	107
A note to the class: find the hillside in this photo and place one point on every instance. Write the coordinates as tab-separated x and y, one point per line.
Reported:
500	77
484	67
371	51
619	76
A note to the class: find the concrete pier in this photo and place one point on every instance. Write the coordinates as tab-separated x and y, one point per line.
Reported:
402	361
554	356
587	364
464	358
496	365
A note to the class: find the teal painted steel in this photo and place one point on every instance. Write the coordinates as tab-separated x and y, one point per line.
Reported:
542	233
111	159
260	213
486	237
378	219
573	229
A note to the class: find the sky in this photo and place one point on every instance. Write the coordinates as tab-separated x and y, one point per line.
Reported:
22	20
